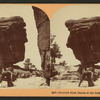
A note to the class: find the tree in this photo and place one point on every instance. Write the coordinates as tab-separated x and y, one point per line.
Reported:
52	37
55	50
27	63
63	63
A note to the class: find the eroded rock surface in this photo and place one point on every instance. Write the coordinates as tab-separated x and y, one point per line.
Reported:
12	39
43	27
84	39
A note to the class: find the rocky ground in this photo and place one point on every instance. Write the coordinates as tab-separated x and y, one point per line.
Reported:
68	78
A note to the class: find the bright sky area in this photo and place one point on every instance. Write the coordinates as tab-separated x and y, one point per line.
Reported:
59	29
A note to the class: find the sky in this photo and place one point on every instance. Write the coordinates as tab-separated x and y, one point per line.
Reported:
59	29
27	13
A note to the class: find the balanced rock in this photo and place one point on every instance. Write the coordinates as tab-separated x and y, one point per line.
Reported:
84	39
12	39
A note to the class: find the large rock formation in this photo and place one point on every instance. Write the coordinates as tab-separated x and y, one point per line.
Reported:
43	27
12	40
84	39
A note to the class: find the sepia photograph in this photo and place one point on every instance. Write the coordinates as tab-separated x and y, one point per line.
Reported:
75	47
50	50
41	53
24	47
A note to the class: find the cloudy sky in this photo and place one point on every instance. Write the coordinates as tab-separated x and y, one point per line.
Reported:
26	12
59	29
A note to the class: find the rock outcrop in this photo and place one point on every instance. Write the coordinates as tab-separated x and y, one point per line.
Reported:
84	39
43	27
12	39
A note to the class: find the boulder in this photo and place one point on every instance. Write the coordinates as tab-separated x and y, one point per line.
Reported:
84	39
12	39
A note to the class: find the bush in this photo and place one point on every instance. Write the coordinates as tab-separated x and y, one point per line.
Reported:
63	63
